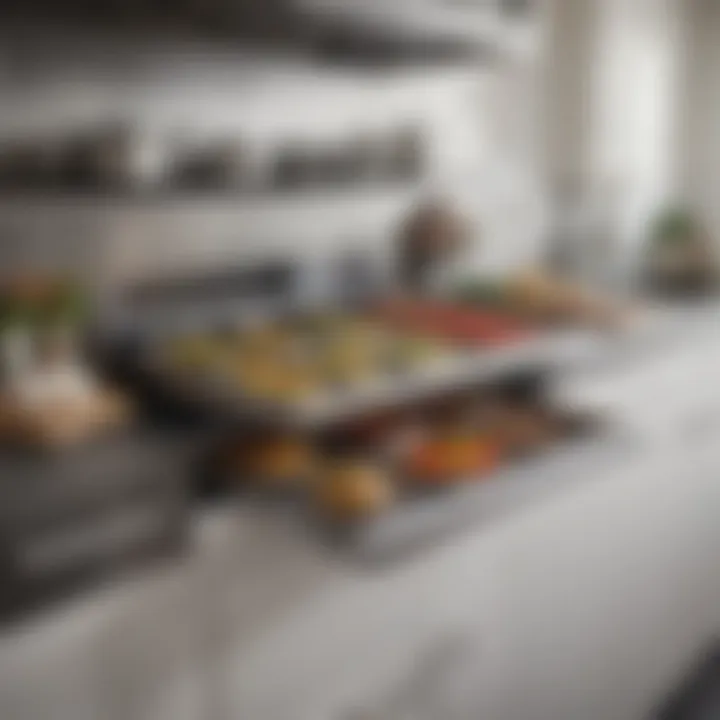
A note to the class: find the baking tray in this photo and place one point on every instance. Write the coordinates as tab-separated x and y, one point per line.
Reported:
430	519
423	518
462	368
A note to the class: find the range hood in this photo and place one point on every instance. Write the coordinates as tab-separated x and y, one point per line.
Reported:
361	30
377	29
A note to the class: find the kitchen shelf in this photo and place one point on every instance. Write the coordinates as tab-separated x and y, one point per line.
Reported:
161	196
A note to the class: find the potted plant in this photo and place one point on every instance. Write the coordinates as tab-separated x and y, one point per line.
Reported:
680	257
60	317
15	333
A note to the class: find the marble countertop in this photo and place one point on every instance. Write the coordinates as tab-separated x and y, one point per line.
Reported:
260	619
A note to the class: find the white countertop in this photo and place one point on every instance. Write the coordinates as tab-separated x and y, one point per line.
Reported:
591	601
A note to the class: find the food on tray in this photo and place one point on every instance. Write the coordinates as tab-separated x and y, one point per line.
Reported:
522	428
346	364
55	399
263	339
388	434
488	292
59	419
295	359
541	297
354	490
550	298
451	458
453	321
409	352
355	330
528	432
197	353
49	396
271	381
275	461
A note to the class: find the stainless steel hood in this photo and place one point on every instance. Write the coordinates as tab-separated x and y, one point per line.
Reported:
460	21
357	30
407	29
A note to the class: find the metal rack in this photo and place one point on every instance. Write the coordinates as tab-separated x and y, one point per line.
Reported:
468	368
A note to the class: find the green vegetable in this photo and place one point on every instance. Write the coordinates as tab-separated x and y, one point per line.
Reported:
482	292
45	305
66	305
14	313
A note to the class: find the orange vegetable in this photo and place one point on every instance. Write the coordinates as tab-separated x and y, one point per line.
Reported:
447	461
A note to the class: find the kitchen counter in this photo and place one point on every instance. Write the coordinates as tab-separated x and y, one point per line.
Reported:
592	601
611	582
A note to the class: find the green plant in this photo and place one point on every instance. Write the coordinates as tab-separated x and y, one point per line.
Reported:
66	305
14	313
675	225
36	304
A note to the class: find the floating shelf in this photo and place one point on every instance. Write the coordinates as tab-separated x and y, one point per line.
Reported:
157	196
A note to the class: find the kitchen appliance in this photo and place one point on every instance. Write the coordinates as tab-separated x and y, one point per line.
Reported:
364	30
414	29
154	312
68	519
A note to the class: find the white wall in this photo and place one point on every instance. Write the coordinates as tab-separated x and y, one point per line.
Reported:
568	89
181	91
634	137
617	88
701	167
